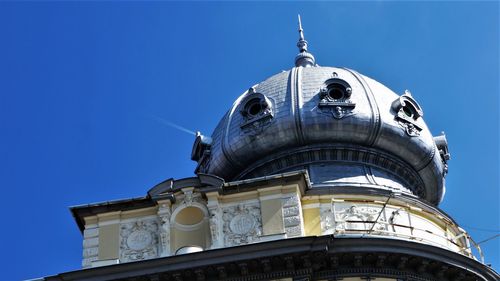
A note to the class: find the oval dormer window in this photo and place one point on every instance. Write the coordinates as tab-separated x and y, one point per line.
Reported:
255	107
407	114
407	111
337	91
335	99
256	110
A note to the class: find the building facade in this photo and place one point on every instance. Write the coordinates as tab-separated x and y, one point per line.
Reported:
316	173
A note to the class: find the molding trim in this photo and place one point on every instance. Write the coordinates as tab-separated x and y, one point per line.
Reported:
313	257
341	153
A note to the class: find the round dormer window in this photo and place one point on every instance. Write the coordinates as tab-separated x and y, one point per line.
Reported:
256	110
255	107
336	91
407	111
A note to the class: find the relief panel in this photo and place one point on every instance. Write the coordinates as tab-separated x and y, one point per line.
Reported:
215	226
139	240
327	219
352	217
164	214
242	224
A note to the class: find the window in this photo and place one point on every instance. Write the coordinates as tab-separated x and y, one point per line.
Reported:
256	110
338	91
407	113
255	107
334	99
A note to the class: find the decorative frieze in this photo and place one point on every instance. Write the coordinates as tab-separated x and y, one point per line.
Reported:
327	220
139	240
242	224
358	217
164	214
291	216
216	226
215	220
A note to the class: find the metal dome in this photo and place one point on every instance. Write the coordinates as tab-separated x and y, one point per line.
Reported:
347	130
351	133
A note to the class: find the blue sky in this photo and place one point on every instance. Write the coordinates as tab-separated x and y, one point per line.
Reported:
82	86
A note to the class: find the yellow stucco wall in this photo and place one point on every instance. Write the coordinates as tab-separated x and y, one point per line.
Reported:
109	238
197	237
312	223
189	216
272	216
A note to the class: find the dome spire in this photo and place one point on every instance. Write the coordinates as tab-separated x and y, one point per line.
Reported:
304	58
302	44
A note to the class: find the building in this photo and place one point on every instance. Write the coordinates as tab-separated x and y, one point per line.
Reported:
317	173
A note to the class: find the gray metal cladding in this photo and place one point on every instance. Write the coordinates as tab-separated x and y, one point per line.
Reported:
319	106
319	125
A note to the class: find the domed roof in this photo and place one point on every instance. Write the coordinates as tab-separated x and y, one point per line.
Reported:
345	129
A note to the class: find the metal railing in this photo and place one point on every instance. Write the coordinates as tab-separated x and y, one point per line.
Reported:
463	248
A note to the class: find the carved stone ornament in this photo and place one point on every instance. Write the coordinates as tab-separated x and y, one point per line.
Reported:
335	99
291	216
257	112
138	240
188	199
190	196
242	224
216	226
327	220
407	113
164	213
354	217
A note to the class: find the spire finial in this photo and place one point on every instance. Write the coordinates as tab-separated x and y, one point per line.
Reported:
302	44
304	58
301	31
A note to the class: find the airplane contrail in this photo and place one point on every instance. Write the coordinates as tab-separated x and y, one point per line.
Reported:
175	126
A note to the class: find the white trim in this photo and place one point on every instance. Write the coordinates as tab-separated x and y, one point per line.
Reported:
189	227
272	237
250	202
328	205
311	206
295	194
99	263
139	218
271	197
110	222
181	207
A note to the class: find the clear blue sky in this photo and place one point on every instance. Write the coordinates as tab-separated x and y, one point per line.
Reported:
82	86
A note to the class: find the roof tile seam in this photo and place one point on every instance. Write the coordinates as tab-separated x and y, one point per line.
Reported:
376	120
